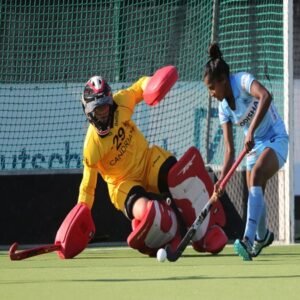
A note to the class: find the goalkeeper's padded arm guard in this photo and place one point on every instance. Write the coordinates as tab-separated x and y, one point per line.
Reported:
160	84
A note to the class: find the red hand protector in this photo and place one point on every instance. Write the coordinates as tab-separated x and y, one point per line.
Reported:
160	84
75	232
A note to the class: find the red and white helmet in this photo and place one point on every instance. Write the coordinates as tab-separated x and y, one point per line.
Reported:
96	93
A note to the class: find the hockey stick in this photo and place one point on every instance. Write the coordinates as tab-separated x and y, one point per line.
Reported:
72	237
23	254
174	255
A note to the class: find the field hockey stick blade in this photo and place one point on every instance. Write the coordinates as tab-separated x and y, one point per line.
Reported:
174	255
23	254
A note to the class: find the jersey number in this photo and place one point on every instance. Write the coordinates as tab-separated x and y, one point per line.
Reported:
118	138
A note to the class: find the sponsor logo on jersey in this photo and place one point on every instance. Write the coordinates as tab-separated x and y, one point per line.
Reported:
248	116
123	148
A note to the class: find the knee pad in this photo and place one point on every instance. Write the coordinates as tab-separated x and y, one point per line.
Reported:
157	228
191	187
213	241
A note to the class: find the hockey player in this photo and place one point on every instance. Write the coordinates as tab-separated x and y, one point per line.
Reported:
245	102
138	174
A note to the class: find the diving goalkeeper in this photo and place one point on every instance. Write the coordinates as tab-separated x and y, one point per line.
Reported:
136	174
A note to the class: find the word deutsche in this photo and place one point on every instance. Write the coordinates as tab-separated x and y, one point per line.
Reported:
40	161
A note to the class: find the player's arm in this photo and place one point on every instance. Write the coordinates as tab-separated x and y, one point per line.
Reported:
91	156
137	88
132	95
78	226
150	88
88	185
258	91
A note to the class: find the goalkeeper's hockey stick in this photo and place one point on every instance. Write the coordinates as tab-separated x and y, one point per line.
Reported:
23	254
72	237
174	255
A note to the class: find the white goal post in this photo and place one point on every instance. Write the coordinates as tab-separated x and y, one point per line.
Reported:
286	177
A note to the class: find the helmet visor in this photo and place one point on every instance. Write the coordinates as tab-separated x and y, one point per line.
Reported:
92	105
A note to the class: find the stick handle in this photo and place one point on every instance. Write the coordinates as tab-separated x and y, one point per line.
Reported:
232	169
174	255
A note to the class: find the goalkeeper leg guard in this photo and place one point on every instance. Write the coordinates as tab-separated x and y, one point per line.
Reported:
157	228
213	241
191	187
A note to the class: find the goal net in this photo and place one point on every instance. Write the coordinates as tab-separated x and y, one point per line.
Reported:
49	49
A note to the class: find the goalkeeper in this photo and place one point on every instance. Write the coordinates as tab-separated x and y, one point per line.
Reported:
135	173
116	148
245	102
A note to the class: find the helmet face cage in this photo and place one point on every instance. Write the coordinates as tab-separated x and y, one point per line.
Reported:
97	93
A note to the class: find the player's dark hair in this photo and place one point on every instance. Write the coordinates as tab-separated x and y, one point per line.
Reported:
216	67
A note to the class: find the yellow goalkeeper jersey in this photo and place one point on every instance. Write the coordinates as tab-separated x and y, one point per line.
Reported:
119	155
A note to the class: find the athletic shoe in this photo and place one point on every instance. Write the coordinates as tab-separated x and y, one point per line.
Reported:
243	248
259	245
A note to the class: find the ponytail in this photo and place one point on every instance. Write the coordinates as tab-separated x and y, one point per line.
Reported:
214	51
216	67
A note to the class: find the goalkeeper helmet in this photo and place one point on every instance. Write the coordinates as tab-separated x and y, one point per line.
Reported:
97	104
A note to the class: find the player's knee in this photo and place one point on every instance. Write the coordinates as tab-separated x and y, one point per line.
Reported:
259	176
213	241
140	208
136	203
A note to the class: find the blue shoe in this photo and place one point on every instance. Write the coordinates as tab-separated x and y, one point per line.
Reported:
259	245
243	248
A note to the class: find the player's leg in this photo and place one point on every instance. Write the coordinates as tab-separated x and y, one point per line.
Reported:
153	222
136	200
157	228
159	161
264	237
139	208
210	237
191	187
264	167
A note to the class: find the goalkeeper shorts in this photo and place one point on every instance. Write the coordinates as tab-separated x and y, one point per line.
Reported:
155	158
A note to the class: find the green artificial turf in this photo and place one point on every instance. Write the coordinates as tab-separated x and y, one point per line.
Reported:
122	273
